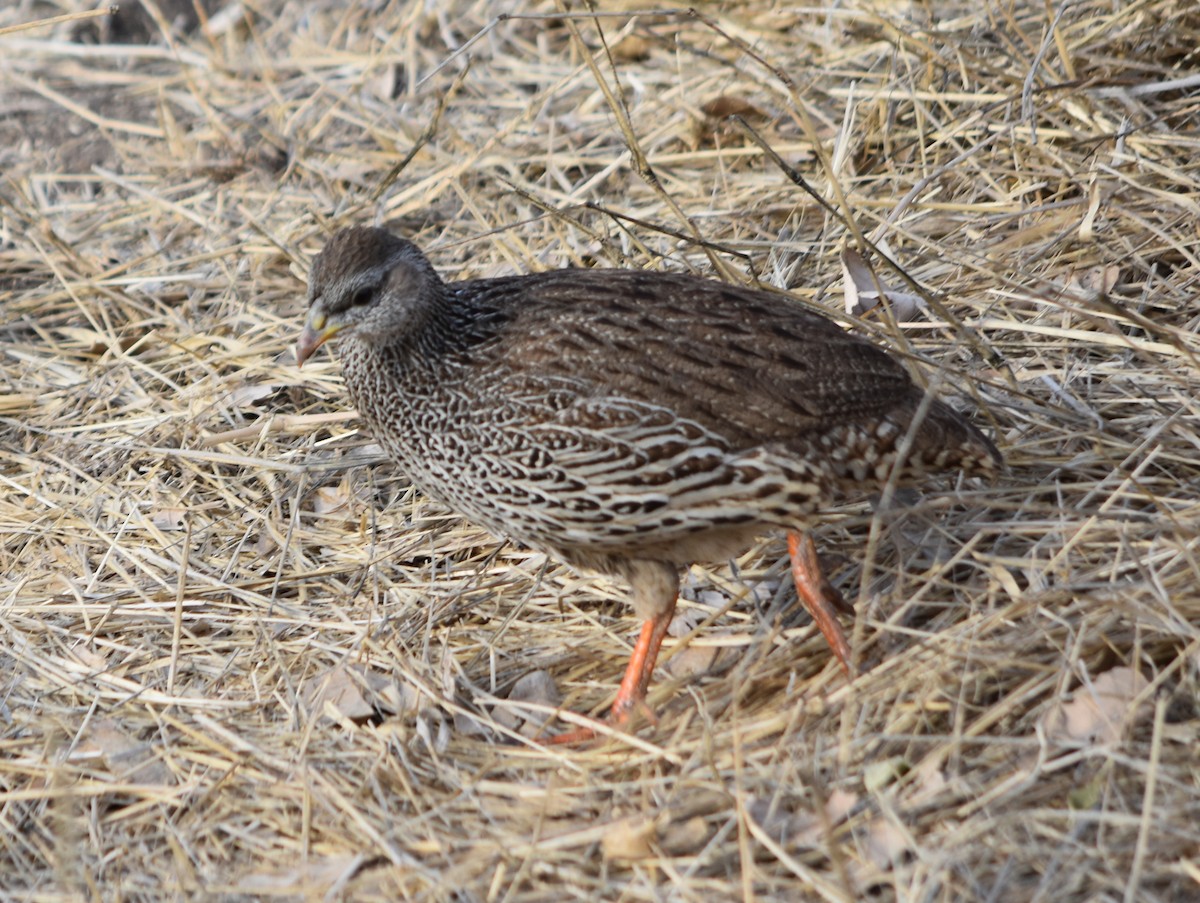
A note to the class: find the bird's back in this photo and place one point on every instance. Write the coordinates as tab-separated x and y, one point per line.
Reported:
754	367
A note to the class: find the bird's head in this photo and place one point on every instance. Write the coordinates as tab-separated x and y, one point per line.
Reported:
369	283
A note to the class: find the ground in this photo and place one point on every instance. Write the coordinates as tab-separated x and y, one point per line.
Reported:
242	658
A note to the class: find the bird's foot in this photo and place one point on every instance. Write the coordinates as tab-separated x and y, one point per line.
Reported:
631	697
620	718
820	597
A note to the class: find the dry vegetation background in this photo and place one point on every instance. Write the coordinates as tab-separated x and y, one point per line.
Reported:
240	658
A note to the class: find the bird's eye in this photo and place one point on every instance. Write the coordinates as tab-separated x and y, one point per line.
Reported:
362	296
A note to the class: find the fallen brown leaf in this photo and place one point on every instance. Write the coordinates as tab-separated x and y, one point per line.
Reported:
538	687
731	105
864	289
1100	713
629	839
631	49
341	688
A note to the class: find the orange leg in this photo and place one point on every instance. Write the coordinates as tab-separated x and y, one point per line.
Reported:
632	693
819	596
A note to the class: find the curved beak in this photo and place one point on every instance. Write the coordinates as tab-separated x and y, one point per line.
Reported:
316	333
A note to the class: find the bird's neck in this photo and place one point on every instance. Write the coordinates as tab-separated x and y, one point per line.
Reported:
427	358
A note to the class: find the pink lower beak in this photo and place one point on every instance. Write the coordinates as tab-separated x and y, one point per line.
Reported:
315	334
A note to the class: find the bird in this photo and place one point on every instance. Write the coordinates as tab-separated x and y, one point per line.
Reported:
625	421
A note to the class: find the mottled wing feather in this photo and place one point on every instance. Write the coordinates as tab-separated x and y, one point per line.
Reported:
751	367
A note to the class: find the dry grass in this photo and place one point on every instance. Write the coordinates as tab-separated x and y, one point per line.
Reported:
188	548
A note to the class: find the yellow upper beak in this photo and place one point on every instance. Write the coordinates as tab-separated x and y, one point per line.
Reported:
316	333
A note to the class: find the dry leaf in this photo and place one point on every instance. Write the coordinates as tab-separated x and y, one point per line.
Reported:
887	843
775	19
696	659
95	343
929	782
1100	280
468	726
839	805
433	729
716	112
89	658
761	591
685	837
861	287
308	878
774	819
126	758
1100	713
709	598
631	49
628	839
168	517
388	83
808	830
731	105
536	687
880	774
394	697
1088	795
331	500
265	544
248	395
340	688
